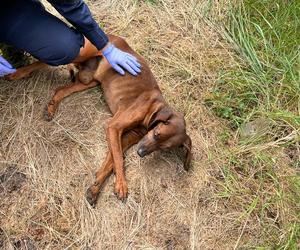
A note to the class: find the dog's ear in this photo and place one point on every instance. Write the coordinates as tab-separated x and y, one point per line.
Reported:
161	115
187	144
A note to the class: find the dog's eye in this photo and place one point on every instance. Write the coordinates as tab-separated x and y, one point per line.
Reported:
156	135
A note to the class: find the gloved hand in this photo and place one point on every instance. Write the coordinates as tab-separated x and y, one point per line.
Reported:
5	67
119	59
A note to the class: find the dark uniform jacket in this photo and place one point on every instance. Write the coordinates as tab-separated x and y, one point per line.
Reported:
79	15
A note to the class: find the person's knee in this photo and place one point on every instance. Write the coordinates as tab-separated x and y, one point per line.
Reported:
62	49
61	54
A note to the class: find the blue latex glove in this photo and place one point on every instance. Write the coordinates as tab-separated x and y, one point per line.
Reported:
120	60
5	67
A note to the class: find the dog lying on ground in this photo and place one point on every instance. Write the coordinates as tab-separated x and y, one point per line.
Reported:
140	115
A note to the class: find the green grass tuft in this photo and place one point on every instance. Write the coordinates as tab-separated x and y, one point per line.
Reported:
267	81
262	90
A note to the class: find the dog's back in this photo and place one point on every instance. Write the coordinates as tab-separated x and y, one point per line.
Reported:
121	91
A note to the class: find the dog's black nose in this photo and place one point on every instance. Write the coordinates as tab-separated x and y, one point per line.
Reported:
141	152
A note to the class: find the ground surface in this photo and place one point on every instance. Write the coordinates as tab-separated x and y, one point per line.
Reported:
45	167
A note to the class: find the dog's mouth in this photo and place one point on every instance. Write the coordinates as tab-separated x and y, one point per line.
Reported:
145	147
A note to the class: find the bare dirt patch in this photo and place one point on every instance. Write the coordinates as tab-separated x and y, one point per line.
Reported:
11	180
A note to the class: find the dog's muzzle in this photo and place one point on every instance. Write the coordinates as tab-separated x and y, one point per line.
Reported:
141	152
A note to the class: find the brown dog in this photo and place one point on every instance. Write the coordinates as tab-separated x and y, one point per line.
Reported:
140	115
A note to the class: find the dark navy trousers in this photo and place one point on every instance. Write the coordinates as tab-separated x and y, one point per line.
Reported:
26	25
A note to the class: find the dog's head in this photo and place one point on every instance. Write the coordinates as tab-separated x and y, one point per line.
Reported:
166	129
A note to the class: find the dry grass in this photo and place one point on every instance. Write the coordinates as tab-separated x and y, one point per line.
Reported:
167	208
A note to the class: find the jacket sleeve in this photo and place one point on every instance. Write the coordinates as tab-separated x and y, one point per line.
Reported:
79	15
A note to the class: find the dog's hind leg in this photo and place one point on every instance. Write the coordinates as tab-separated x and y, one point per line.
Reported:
128	139
25	71
63	92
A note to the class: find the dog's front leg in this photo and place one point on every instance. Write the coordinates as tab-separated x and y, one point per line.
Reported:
128	139
114	134
121	121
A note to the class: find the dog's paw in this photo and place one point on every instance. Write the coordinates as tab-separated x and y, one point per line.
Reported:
121	190
91	195
50	111
47	115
